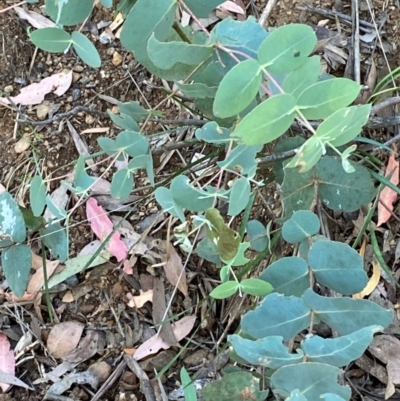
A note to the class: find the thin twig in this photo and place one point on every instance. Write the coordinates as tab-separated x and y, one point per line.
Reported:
267	11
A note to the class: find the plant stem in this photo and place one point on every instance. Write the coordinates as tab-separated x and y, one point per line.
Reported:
46	284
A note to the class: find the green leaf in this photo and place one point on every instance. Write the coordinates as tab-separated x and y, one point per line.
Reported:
213	133
339	351
188	196
71	12
236	386
226	239
16	262
277	316
337	189
75	266
32	222
337	266
106	3
124	6
303	77
86	49
82	179
138	162
242	159
287	47
53	40
133	143
164	198
268	121
108	145
344	125
122	184
312	379
202	8
240	258
331	397
346	315
284	145
12	224
134	110
258	235
189	390
288	276
207	250
239	196
225	290
237	89
124	121
197	90
268	352
295	395
256	287
54	209
301	225
55	238
308	155
324	98
37	195
165	55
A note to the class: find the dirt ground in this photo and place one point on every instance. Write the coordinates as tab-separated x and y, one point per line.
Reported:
20	65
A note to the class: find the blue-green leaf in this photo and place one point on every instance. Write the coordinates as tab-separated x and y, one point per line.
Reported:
301	225
268	352
86	49
239	196
339	351
133	143
242	159
122	184
189	390
164	198
288	276
37	195
16	262
346	315
55	238
12	224
53	40
202	8
71	12
258	235
338	266
82	179
213	133
311	379
277	316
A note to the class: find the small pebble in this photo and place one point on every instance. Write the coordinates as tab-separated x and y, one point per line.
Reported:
9	88
42	111
75	94
78	68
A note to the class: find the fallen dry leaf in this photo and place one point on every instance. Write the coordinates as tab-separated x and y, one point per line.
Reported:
35	19
388	196
232	7
372	282
35	93
175	272
102	227
36	281
137	301
180	329
387	349
63	338
7	360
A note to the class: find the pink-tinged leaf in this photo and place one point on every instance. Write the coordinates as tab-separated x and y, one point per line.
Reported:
102	227
388	197
7	360
35	93
180	329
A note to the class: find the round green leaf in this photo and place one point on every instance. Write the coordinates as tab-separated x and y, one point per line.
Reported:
53	40
133	143
69	12
256	287
268	121
225	290
164	198
108	145
122	184
12	224
237	89
258	235
37	195
239	197
301	225
287	47
16	262
338	267
85	49
324	98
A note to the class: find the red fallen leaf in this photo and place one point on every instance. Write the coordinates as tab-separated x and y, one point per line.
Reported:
102	226
7	360
388	197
